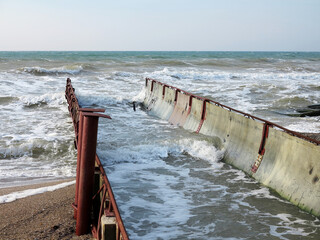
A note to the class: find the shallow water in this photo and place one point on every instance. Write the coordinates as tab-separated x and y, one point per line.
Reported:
169	183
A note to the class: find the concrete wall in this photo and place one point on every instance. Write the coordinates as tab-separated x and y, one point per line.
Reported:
290	165
180	111
161	105
194	116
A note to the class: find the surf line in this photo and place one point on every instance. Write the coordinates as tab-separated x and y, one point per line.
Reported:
30	192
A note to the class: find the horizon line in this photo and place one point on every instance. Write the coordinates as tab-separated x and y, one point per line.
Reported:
297	51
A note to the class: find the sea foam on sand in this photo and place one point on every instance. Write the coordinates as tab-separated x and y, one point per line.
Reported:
29	192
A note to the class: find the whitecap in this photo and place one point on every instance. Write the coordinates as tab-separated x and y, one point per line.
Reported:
54	99
71	70
202	149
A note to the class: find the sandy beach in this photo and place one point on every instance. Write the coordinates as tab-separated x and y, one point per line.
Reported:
44	216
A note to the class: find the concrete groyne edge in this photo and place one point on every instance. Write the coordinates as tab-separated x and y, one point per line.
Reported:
283	160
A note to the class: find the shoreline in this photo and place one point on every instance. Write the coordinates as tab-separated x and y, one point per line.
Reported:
47	215
32	181
38	183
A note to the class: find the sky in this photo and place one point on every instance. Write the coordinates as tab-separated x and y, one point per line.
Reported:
160	25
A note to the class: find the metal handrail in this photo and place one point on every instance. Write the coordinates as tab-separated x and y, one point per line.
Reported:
74	109
271	124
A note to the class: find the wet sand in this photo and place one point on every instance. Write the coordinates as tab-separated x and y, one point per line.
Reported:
44	216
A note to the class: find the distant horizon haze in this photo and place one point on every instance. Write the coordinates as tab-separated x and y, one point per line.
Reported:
145	25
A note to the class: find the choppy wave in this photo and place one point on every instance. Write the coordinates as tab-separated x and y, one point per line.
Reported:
32	148
26	170
35	144
204	150
153	165
37	155
209	75
292	102
239	64
66	70
54	99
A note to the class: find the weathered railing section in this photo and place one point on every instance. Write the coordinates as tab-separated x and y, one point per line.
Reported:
95	205
177	90
284	160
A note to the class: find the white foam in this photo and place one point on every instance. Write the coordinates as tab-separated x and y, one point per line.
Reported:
59	70
150	162
203	150
153	200
56	99
290	225
30	192
140	97
261	192
234	89
26	168
240	177
124	74
139	153
311	125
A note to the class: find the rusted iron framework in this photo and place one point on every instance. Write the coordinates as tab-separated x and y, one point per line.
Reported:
267	123
94	197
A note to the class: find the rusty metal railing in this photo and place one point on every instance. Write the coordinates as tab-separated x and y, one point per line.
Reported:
268	123
102	203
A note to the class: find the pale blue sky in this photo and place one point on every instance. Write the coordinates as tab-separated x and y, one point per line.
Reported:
173	25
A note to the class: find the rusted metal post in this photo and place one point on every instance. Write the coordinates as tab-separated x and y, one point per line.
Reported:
87	156
134	105
81	110
87	164
112	207
78	165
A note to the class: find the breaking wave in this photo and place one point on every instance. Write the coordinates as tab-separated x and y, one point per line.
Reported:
40	71
54	99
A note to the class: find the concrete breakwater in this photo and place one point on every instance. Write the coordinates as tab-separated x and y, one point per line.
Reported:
283	160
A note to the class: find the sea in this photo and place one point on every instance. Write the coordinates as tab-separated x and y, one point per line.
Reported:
169	183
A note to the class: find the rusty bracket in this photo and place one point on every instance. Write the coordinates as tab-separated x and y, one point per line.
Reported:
78	115
265	133
203	114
